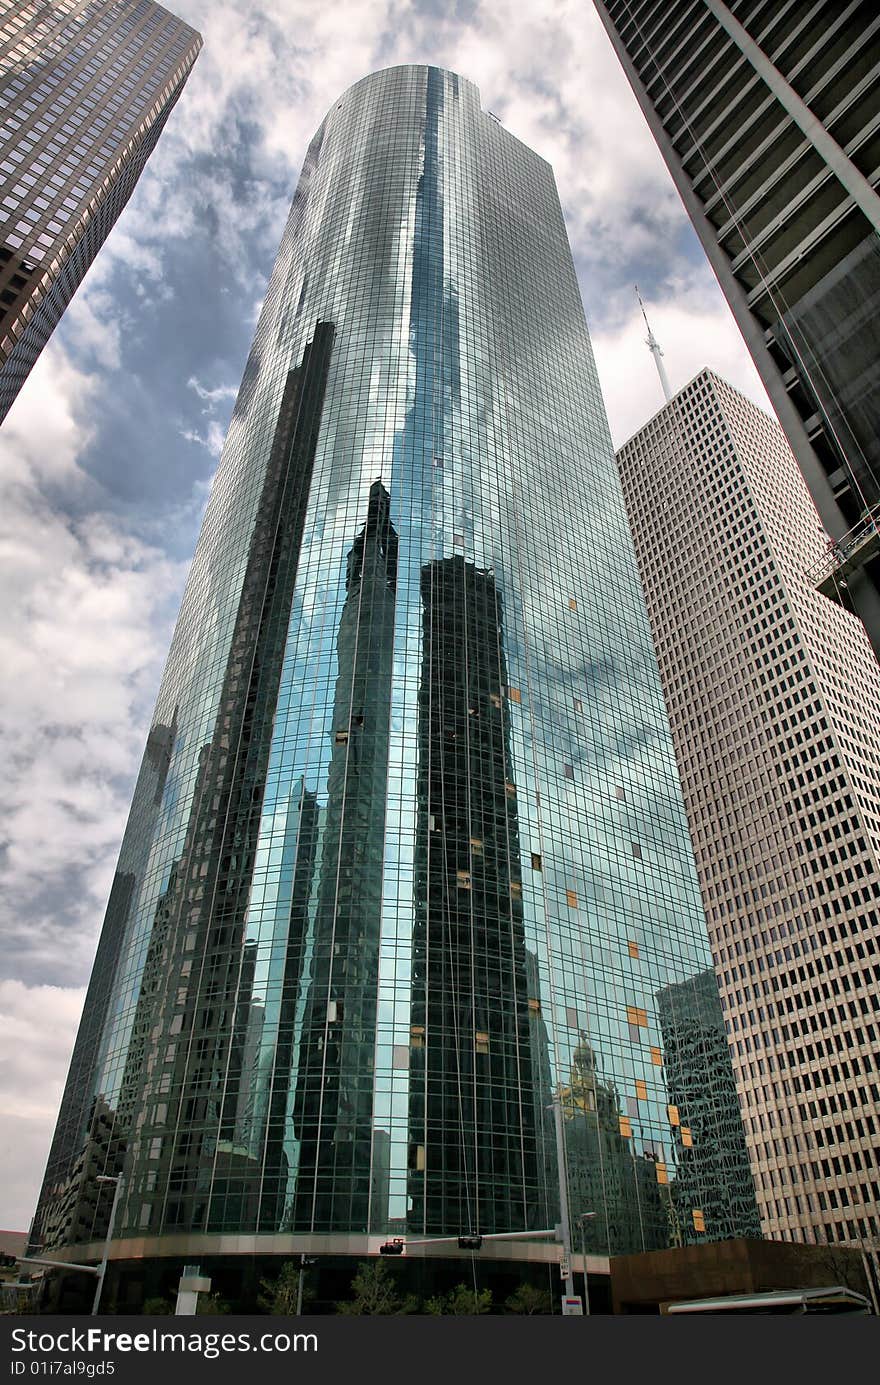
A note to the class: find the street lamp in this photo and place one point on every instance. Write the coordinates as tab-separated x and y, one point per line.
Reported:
98	1270
585	1216
102	1268
562	1175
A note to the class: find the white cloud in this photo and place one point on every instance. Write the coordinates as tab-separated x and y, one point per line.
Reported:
212	440
83	630
38	1024
694	329
42	437
213	396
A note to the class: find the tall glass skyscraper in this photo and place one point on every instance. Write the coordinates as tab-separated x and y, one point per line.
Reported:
86	87
407	854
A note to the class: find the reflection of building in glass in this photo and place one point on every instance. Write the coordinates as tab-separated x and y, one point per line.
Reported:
73	1144
473	1158
177	1101
77	1208
775	732
543	1090
334	1095
606	1175
766	116
86	89
712	1161
420	836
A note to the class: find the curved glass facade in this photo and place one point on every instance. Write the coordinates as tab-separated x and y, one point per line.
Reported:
408	852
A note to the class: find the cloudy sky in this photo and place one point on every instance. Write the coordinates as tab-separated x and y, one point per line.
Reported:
107	456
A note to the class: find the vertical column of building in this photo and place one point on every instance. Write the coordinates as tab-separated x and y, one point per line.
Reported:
333	1106
473	1121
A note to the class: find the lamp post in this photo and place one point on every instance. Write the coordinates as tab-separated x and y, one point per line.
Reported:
562	1174
303	1261
99	1270
102	1268
585	1216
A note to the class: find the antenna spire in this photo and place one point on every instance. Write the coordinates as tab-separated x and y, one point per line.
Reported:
653	346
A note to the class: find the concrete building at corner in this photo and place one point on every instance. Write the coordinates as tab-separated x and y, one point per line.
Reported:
768	117
774	699
86	87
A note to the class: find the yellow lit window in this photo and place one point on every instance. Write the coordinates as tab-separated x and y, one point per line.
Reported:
534	1006
641	1089
662	1175
625	1127
572	604
686	1137
516	889
477	845
636	1016
481	1041
673	1115
417	1036
699	1220
656	1057
632	949
514	694
571	899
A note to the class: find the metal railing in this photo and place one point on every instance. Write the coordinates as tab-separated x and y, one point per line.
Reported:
841	550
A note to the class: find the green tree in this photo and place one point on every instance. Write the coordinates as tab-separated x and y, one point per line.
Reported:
280	1295
153	1306
462	1301
211	1305
526	1298
374	1292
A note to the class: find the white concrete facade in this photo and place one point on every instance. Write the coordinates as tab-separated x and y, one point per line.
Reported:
774	699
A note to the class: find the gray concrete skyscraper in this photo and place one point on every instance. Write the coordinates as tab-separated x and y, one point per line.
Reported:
774	699
408	851
85	89
767	114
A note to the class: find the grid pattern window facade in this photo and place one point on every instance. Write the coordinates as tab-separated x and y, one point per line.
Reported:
85	89
767	114
774	700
